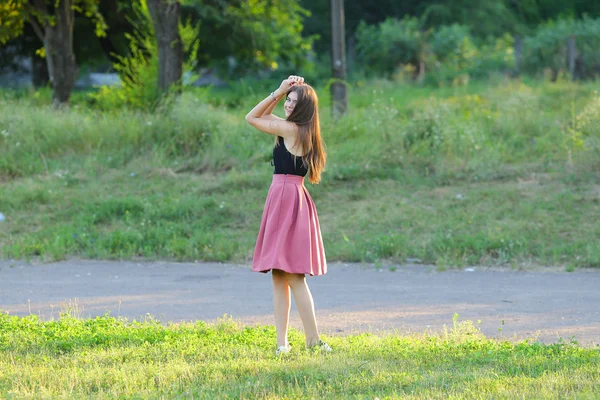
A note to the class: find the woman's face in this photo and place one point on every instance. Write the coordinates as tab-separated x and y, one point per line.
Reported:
290	103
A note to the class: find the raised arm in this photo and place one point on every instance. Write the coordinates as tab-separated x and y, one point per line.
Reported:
261	116
268	114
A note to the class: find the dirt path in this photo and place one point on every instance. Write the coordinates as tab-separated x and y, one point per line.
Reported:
351	298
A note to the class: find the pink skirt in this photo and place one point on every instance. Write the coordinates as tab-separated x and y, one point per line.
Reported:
290	236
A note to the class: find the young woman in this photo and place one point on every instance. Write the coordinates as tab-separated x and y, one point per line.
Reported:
289	242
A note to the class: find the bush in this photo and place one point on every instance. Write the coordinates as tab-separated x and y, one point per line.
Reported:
382	49
547	48
448	54
452	54
448	40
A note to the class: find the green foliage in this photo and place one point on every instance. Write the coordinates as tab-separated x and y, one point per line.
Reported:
446	40
15	13
547	48
385	48
448	54
582	131
139	70
12	19
452	53
485	17
241	37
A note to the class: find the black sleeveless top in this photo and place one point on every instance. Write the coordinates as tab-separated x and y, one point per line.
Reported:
285	162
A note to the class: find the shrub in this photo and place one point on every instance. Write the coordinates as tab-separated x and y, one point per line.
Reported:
547	48
389	46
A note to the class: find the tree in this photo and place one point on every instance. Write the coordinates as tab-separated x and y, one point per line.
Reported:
11	19
240	37
53	22
165	17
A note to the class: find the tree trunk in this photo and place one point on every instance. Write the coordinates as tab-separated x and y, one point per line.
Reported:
58	43
338	59
571	55
421	71
165	17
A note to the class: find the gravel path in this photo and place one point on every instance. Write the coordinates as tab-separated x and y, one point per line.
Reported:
544	304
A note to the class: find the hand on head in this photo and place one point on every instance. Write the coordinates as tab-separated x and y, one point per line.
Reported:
291	81
296	80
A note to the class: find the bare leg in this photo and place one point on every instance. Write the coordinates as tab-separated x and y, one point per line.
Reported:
281	306
305	305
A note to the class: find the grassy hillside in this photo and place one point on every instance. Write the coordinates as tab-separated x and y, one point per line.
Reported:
489	173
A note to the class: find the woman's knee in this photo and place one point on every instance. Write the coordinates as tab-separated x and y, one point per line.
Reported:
295	280
278	276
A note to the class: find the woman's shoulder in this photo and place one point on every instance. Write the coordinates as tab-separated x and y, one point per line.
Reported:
289	135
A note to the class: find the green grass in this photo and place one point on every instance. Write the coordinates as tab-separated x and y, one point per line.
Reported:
114	358
491	173
206	217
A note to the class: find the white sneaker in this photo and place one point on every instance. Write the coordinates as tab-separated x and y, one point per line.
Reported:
321	345
282	350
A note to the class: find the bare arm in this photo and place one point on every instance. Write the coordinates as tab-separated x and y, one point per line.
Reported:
268	114
261	118
266	123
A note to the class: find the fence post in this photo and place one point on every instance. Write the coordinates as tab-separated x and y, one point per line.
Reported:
571	55
518	53
338	59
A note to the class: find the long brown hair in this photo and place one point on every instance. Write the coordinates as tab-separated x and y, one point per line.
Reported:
306	117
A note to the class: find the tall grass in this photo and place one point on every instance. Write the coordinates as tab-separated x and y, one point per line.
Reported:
452	130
